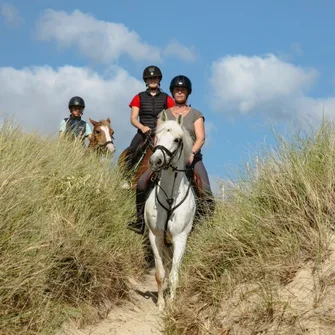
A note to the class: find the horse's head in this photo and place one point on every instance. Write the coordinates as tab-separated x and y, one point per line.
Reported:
102	136
173	144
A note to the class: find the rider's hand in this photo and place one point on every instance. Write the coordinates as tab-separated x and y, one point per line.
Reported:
145	129
190	160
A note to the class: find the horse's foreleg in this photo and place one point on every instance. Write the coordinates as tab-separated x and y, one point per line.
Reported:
157	248
179	246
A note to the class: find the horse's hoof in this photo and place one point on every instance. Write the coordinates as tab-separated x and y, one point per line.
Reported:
125	185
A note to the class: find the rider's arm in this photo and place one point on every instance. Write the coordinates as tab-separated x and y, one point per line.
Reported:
134	118
62	127
88	130
135	110
199	129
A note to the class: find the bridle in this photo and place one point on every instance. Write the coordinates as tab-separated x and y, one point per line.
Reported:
108	142
166	152
102	147
167	164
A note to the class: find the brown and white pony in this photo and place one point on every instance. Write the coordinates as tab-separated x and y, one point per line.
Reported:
101	139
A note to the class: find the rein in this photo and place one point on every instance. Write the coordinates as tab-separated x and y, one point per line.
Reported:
147	143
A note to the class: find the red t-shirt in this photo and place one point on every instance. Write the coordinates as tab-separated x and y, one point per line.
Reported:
137	103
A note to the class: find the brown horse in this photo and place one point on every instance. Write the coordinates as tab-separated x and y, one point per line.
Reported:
140	162
101	139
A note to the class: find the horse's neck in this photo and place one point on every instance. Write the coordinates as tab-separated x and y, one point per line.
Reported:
94	146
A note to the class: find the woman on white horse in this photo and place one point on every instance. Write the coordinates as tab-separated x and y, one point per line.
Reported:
181	88
193	121
171	206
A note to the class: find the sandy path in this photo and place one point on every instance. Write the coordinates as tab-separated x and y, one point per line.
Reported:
140	316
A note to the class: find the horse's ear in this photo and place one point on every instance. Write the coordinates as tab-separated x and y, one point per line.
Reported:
164	116
93	122
109	120
180	119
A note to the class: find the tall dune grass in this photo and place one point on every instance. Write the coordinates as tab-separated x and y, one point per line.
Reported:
64	249
240	264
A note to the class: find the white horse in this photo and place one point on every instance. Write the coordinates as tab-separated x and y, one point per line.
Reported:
170	208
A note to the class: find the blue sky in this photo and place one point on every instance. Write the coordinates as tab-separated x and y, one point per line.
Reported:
251	63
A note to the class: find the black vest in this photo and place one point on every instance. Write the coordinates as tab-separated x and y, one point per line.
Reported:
150	107
75	127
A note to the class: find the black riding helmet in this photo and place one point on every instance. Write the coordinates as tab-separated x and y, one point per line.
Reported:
181	81
152	71
76	101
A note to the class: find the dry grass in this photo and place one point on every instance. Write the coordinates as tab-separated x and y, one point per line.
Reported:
64	249
241	265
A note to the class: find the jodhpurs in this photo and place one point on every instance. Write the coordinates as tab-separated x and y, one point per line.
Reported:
137	140
200	169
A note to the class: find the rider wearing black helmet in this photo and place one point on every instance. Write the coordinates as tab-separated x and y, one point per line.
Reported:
181	81
74	125
193	121
145	107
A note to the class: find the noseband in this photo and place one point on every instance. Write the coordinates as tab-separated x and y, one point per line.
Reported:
108	142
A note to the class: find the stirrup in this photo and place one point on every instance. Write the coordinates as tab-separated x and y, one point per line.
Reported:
137	227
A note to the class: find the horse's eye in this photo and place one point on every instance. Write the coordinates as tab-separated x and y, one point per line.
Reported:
177	140
97	131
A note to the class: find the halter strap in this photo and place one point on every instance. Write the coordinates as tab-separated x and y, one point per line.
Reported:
167	152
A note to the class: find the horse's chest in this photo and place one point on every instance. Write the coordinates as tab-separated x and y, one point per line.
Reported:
157	217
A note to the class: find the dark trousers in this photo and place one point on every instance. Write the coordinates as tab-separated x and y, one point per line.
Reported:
137	140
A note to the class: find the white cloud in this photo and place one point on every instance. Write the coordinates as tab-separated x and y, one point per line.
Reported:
11	15
265	85
99	40
37	97
103	41
180	51
306	107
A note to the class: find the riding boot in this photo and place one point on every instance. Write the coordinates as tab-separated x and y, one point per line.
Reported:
205	208
128	162
138	226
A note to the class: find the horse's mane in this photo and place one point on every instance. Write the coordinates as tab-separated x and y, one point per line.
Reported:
178	131
102	123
